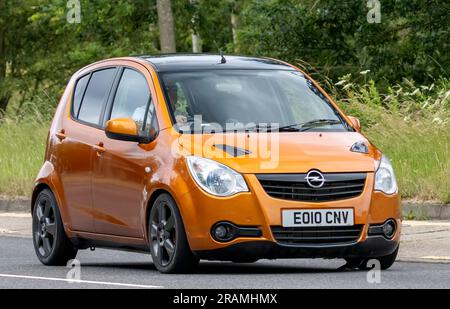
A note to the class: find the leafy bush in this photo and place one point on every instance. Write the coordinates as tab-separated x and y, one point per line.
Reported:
335	36
411	124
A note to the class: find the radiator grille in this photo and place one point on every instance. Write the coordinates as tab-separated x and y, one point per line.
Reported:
295	187
316	235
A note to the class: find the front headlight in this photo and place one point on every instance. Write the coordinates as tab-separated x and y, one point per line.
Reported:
385	178
215	178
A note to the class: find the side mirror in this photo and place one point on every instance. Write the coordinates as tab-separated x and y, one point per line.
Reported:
356	123
126	129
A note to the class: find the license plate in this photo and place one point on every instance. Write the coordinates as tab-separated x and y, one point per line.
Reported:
320	217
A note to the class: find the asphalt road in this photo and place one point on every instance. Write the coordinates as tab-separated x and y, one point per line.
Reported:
19	268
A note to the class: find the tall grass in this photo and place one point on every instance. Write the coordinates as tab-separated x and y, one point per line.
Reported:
420	153
411	124
22	147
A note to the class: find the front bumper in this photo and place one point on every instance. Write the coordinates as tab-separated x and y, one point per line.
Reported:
201	212
372	247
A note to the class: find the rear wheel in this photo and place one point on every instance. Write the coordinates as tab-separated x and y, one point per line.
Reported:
385	261
51	244
169	246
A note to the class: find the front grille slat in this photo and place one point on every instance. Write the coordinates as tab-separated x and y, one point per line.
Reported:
316	235
295	187
316	194
293	238
318	189
318	232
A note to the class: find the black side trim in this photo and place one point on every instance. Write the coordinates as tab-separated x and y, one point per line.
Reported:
129	138
82	244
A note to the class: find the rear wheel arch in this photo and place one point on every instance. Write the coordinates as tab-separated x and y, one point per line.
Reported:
42	186
38	189
52	246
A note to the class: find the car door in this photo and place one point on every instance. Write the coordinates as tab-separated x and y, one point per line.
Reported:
75	149
119	168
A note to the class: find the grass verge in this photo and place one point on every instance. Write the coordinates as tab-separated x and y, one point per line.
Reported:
420	153
410	124
22	147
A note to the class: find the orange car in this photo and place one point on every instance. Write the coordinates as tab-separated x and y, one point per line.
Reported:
211	157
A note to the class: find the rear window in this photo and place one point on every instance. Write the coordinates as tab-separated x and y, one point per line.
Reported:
95	96
79	92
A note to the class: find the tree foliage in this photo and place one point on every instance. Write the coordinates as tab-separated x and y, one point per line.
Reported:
411	41
40	49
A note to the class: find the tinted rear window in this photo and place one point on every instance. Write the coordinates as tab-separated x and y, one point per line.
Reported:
96	95
79	91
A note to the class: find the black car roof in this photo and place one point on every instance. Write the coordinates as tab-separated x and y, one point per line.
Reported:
190	62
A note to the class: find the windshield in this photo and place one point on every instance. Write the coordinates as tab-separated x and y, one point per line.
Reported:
230	100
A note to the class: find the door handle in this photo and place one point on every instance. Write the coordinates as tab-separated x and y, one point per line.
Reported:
100	149
61	135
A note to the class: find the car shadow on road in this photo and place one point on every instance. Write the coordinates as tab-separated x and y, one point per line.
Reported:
227	268
122	265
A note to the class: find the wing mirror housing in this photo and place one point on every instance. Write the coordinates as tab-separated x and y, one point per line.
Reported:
356	123
126	129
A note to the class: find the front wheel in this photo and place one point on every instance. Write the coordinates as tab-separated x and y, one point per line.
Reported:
169	246
51	244
385	261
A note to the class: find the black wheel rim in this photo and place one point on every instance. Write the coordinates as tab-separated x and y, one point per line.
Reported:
163	234
44	226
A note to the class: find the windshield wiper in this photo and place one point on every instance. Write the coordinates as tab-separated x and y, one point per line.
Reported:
308	125
318	123
297	127
256	128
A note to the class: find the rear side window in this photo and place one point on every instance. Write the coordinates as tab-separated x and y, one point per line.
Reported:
95	96
132	98
79	91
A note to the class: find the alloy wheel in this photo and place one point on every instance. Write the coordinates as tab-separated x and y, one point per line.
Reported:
163	234
44	226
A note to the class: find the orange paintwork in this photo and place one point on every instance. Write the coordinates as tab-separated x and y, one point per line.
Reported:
124	126
104	192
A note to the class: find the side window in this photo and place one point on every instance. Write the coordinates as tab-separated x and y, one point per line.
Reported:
132	98
96	94
78	93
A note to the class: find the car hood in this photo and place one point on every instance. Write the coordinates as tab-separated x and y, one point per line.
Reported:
252	153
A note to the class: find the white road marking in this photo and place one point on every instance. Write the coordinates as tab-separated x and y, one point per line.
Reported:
5	232
129	285
437	258
15	215
426	223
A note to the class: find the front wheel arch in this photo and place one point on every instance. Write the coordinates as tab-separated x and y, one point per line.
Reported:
182	259
150	203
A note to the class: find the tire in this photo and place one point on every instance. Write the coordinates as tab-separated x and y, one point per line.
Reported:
52	246
169	246
385	261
